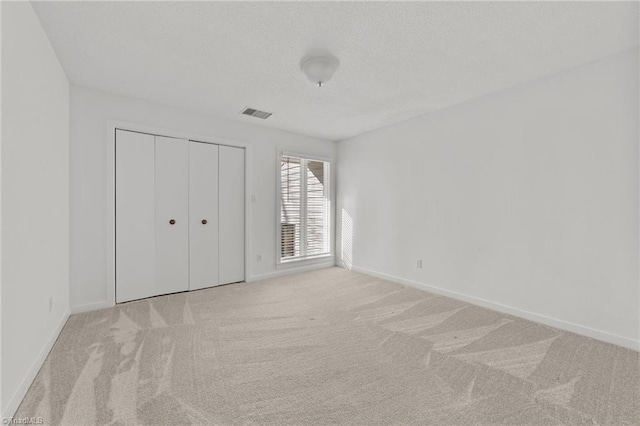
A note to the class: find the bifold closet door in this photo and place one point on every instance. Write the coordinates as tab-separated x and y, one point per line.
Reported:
152	229
135	216
231	234
203	213
172	215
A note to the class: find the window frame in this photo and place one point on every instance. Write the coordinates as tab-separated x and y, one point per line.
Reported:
328	188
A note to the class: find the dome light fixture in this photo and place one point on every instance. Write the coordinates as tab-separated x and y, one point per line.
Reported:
319	69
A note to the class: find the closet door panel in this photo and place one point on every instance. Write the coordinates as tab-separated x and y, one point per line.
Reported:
172	215
203	212
135	210
231	215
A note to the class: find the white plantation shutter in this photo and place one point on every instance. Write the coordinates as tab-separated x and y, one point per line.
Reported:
304	213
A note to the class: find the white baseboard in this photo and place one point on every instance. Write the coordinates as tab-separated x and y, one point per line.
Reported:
281	272
292	270
35	368
91	307
552	322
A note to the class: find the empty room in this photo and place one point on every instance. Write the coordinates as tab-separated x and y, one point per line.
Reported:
320	213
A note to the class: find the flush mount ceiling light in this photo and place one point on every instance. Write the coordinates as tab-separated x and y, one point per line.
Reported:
319	69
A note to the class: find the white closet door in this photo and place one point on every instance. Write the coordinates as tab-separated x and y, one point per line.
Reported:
135	211
203	213
231	227
172	215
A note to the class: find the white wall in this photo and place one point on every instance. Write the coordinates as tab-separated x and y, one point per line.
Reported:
91	111
35	199
526	198
1	404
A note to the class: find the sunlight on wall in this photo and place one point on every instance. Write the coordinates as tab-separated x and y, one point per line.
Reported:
346	247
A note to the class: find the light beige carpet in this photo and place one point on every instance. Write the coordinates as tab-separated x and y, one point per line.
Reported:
327	347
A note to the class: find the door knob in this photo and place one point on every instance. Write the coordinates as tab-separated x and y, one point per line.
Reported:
204	221
172	222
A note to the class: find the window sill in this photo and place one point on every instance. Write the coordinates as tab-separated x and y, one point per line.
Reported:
294	263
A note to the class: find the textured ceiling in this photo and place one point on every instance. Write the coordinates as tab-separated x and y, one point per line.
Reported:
398	60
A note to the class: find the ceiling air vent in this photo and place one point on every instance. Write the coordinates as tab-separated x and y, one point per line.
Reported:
256	113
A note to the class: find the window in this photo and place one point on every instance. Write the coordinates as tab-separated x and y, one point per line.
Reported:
304	208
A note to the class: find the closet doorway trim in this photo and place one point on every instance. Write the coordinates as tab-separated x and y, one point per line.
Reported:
112	126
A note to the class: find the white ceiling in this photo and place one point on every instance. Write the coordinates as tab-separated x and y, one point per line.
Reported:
398	60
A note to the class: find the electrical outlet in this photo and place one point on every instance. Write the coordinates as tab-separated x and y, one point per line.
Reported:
50	304
259	258
419	264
